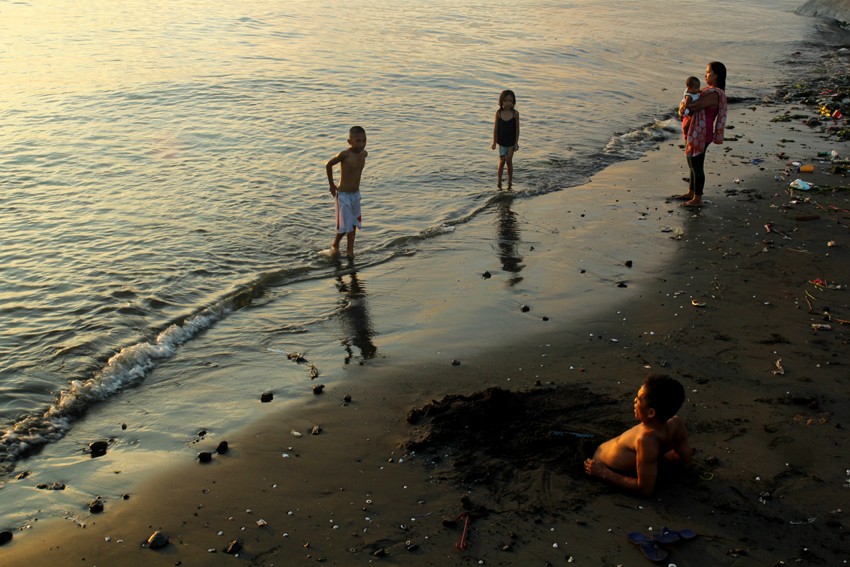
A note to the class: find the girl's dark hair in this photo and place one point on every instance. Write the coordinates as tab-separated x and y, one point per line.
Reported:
719	70
504	94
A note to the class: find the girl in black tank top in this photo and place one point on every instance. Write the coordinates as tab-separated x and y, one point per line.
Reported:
506	134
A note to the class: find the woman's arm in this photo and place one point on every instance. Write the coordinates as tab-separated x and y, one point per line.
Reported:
704	101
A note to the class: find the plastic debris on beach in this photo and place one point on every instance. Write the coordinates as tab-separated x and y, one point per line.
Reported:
800	185
777	367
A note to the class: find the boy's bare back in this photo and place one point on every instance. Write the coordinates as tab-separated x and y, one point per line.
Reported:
630	460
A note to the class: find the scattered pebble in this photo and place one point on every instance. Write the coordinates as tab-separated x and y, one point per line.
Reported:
157	540
233	547
205	456
98	449
266	397
318	388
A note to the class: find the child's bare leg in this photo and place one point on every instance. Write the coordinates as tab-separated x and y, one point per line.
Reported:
510	170
501	170
349	250
335	243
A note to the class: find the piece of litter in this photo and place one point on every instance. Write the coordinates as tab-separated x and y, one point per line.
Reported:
696	303
777	367
800	185
296	433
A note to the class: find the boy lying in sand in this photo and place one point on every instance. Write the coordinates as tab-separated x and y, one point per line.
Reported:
630	460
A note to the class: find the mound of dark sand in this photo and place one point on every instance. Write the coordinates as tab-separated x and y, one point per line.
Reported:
526	448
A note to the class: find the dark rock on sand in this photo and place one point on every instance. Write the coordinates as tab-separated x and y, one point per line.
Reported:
318	388
455	362
222	448
205	456
233	547
158	540
266	397
525	308
486	275
98	448
347	398
96	506
5	537
629	263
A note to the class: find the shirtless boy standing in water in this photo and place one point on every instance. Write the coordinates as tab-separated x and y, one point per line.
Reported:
630	461
347	193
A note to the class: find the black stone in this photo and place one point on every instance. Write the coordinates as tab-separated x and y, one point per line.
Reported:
266	397
317	389
5	537
96	506
222	448
525	308
158	540
233	547
205	456
98	448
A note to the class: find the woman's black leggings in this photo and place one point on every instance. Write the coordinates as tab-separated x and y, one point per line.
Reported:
697	166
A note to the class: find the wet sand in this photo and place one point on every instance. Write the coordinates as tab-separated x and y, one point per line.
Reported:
771	445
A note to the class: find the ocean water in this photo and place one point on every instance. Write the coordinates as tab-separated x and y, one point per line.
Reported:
163	179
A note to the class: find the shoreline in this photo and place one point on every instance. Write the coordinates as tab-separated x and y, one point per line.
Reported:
355	486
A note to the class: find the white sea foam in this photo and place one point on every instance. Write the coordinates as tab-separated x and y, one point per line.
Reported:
127	367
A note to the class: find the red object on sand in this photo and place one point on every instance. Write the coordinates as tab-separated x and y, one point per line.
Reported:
463	543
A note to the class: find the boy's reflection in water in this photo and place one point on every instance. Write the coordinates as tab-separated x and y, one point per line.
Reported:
354	318
508	239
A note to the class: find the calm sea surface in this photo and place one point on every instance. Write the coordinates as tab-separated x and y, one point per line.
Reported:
162	162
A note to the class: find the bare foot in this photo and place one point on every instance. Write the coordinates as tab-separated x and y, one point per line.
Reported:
334	249
694	203
499	184
685	197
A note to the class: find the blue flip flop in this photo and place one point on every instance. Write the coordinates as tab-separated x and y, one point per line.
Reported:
672	536
648	547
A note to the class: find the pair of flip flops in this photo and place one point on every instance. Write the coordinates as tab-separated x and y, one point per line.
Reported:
650	546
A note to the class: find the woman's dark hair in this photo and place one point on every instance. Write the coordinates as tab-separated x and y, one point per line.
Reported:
719	70
504	94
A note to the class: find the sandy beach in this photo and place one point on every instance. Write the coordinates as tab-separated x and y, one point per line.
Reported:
435	463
